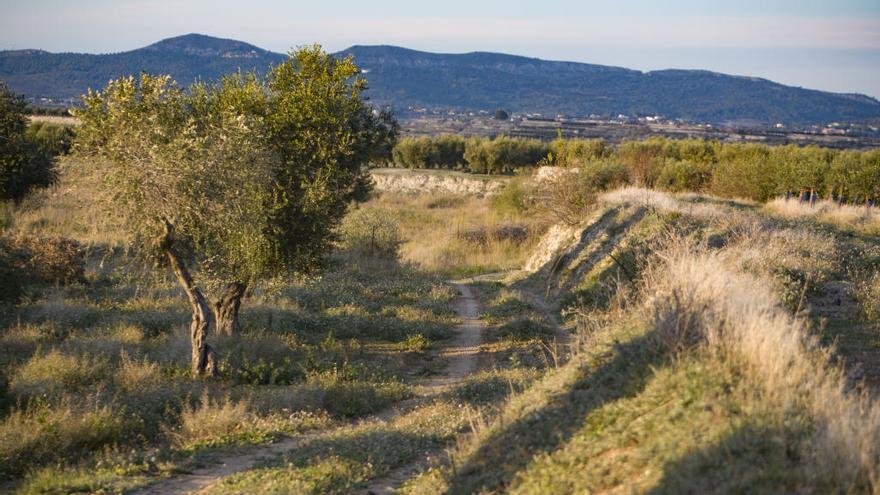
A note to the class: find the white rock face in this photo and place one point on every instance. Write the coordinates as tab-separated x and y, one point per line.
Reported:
544	174
419	182
557	239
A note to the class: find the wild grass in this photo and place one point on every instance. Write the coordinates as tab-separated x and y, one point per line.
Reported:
698	298
342	460
104	366
702	377
857	218
439	231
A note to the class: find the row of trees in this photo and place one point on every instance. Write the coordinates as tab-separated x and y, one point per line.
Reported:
478	155
753	171
237	182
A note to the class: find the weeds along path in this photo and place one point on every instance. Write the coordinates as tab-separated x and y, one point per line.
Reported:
462	356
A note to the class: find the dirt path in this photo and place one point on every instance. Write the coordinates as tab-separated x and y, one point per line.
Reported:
462	357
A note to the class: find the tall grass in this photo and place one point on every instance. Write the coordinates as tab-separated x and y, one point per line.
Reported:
845	215
698	299
437	230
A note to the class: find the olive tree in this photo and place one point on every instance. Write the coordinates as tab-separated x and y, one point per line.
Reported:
236	182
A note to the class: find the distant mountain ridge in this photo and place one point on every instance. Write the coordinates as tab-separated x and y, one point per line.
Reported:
405	79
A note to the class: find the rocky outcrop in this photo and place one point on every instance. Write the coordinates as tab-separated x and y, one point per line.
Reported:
432	181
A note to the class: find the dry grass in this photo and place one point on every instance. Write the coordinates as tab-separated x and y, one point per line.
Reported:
70	209
857	218
699	298
210	421
458	235
46	434
697	206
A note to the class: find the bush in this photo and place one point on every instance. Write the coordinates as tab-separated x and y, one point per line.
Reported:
370	232
23	165
211	423
445	151
577	152
43	434
55	372
11	277
525	329
680	176
570	195
503	154
514	198
53	260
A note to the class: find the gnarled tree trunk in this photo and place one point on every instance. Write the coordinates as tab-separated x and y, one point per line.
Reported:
204	360
227	306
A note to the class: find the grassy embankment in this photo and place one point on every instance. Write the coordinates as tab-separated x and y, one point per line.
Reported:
701	329
701	365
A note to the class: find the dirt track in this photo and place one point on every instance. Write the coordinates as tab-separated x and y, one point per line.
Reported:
462	357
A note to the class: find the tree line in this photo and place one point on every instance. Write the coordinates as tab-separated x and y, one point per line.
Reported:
747	170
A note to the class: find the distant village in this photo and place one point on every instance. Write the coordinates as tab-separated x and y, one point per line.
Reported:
425	121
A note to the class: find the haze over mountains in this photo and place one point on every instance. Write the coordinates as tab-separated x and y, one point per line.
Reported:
407	79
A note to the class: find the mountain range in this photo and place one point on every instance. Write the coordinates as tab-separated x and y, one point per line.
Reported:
408	79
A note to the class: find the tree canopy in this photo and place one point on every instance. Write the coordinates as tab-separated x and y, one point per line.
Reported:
245	178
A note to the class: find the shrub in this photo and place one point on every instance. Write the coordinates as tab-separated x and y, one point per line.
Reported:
577	152
445	151
417	343
525	329
211	423
54	260
371	232
680	176
11	277
503	154
514	198
642	159
43	434
23	165
55	372
569	195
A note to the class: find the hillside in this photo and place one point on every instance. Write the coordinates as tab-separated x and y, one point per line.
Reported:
38	73
408	79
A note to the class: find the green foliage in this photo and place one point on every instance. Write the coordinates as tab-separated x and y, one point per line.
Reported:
12	279
445	151
503	154
514	198
370	232
254	174
679	176
577	152
525	329
24	164
478	155
753	171
51	139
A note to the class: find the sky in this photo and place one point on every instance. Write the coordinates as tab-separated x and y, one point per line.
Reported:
832	45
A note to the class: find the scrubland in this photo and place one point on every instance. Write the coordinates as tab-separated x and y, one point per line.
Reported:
658	342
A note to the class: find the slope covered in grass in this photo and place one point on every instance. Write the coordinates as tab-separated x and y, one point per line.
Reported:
700	368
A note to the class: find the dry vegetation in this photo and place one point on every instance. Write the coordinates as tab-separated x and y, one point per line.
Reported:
702	371
713	345
460	235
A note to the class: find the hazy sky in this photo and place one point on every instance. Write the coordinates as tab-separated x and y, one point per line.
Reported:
823	44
